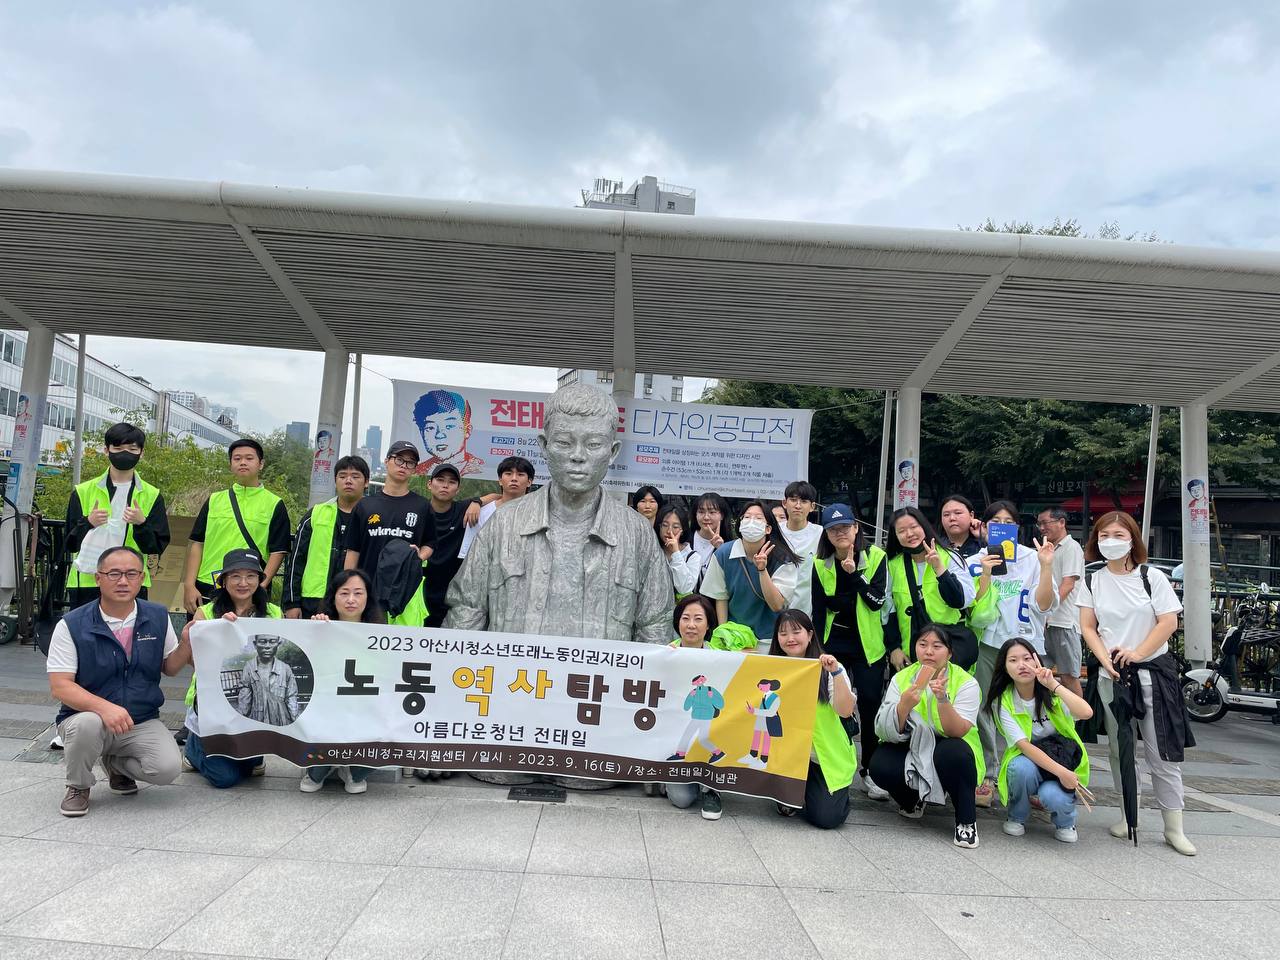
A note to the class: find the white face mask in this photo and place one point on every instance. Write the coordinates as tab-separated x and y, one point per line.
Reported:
752	530
1114	548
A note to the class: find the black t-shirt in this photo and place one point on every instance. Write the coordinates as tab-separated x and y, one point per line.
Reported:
445	562
380	516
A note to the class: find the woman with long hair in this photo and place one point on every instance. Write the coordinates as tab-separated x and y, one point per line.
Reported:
713	527
1038	717
647	501
349	599
848	588
832	756
927	582
1128	612
239	592
674	535
752	578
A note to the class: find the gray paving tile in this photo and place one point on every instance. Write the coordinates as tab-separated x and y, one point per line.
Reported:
1268	804
172	886
919	856
1158	931
467	917
9	783
477	835
584	917
1151	871
32	807
1245	865
25	948
690	848
366	828
871	926
712	920
32	871
1023	863
285	908
796	854
138	821
248	824
978	924
589	842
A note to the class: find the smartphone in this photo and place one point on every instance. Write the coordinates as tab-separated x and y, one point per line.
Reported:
1002	539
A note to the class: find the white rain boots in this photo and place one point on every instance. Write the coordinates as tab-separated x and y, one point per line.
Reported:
1173	834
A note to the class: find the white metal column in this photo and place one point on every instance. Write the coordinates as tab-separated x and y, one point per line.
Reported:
333	397
77	451
883	475
355	404
906	456
1153	449
1197	614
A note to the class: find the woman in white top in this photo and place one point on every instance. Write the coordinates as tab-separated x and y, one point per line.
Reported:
711	514
672	527
752	578
1128	612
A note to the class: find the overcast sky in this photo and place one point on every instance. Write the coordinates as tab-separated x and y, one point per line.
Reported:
1163	116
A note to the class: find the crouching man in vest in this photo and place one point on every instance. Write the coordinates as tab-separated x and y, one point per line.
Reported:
105	662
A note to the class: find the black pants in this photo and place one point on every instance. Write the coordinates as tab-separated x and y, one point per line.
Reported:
436	612
79	596
952	759
823	808
868	682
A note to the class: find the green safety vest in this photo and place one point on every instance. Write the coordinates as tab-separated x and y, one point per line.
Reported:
222	533
273	613
1062	722
837	756
928	708
870	626
414	615
315	575
93	494
934	608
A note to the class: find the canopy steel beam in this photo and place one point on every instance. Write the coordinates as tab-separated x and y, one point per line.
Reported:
943	346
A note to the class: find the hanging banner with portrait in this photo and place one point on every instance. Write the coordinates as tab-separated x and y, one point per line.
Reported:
319	693
686	448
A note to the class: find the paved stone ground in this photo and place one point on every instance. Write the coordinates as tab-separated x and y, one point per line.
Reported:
457	870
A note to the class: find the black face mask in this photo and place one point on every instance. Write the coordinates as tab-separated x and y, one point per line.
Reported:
917	550
123	460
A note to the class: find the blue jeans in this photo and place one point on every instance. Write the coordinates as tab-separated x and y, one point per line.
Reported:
221	772
1027	780
321	774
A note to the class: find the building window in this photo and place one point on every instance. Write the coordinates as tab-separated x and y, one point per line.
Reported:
677	394
604	376
648	384
671	204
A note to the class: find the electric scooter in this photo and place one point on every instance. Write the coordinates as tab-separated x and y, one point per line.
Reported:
1246	677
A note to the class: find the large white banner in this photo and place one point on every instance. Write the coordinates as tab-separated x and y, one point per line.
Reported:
320	693
686	448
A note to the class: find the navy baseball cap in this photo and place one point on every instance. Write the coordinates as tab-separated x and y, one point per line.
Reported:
837	515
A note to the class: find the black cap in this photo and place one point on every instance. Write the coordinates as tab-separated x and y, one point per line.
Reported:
403	446
246	442
240	560
440	468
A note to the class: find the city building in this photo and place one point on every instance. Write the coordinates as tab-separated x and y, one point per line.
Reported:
228	417
373	444
648	195
299	430
109	395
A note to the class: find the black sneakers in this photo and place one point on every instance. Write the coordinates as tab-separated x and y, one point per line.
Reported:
966	835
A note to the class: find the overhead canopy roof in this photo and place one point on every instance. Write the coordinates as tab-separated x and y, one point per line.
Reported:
945	311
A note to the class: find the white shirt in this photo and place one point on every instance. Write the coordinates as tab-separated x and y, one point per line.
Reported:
713	585
1126	615
63	657
1017	613
703	547
469	535
685	566
804	542
1068	561
1040	726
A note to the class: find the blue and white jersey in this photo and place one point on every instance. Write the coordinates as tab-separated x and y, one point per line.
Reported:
1015	613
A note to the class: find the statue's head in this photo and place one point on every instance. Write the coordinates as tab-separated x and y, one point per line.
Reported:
579	436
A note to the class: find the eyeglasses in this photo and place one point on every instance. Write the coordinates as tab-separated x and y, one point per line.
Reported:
404	462
708	513
115	576
1048	523
249	577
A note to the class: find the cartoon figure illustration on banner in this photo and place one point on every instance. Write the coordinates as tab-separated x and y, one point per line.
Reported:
443	418
768	724
703	704
907	492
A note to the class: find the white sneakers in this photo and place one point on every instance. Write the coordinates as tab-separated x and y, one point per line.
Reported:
1013	828
873	791
1065	834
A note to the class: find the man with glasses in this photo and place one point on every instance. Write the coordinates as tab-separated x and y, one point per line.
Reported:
146	524
1062	630
105	663
395	511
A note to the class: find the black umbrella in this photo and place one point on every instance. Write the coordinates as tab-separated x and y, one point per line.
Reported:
1122	708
